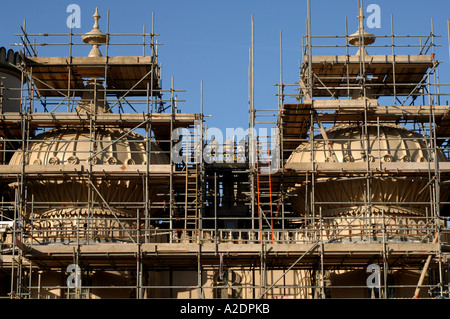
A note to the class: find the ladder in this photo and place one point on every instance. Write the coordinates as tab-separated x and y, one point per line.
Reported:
264	187
191	196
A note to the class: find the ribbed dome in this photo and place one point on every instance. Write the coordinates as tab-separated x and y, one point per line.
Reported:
387	143
74	146
347	195
69	197
105	205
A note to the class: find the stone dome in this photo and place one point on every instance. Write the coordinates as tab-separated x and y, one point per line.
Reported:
74	146
58	203
387	143
346	195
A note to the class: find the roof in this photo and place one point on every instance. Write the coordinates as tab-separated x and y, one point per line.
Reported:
386	74
53	74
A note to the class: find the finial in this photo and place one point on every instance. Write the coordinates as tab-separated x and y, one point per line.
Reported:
368	38
95	37
96	16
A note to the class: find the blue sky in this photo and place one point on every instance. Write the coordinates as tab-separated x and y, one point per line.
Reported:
208	40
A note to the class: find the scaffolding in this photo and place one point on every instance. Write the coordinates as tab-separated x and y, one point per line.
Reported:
241	219
339	89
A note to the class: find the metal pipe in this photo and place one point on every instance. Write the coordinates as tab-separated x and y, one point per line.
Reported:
215	212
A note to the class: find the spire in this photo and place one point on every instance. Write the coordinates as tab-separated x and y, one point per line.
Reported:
95	37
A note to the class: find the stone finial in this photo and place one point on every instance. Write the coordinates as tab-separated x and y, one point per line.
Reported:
95	37
96	16
354	38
